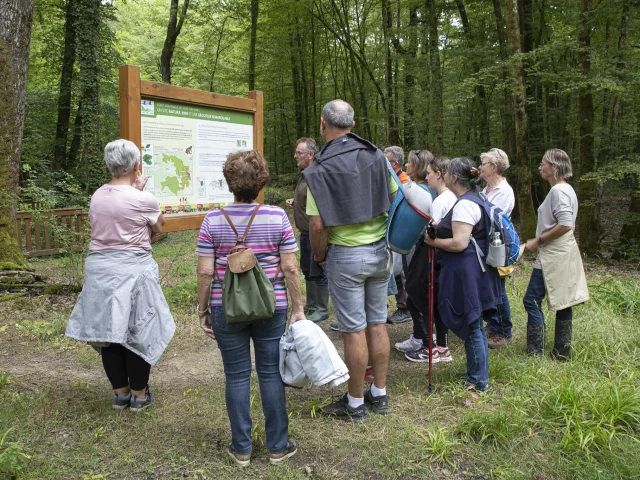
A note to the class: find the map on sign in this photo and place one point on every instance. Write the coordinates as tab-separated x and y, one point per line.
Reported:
184	148
172	173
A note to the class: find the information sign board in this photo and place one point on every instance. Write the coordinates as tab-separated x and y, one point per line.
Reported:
185	136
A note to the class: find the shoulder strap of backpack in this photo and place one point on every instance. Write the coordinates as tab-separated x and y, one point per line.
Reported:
246	230
394	175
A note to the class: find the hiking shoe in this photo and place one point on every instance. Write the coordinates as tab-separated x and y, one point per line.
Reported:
409	345
335	327
290	451
340	409
140	404
444	357
121	402
496	341
242	460
368	374
422	355
380	404
401	315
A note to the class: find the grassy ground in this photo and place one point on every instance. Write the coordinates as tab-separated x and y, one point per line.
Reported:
541	419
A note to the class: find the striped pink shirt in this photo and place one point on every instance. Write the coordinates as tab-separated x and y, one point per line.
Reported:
269	236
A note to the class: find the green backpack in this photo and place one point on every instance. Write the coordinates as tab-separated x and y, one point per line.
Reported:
247	293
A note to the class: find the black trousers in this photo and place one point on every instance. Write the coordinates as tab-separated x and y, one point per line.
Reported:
442	332
125	368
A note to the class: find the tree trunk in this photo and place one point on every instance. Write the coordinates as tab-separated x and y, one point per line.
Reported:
435	92
15	34
481	109
523	162
589	189
173	30
629	242
64	100
252	44
392	132
297	90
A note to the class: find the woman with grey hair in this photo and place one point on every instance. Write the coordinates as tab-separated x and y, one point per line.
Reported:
557	270
121	310
469	291
499	192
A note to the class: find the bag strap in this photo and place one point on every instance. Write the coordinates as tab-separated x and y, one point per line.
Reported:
246	230
239	241
395	176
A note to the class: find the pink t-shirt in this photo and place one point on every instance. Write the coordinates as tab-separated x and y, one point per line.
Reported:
121	217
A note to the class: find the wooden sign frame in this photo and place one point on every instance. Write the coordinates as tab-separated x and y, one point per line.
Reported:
133	89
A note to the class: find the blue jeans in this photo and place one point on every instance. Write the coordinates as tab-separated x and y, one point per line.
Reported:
533	297
500	321
233	341
477	351
306	259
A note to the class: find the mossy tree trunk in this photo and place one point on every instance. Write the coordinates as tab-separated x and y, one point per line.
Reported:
15	34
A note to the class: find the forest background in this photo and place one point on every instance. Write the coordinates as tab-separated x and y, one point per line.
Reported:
456	77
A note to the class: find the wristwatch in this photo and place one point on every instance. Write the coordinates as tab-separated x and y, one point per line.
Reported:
540	242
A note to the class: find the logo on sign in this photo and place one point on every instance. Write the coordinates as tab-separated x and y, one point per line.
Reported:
147	108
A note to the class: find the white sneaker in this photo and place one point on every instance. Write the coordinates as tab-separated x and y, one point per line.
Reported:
409	345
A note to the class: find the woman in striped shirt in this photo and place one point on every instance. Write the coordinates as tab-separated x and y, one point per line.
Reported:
272	240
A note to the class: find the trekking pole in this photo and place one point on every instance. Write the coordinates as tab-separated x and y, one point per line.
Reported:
431	257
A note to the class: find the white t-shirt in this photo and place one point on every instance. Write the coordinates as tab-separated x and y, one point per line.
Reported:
502	196
442	204
121	217
466	211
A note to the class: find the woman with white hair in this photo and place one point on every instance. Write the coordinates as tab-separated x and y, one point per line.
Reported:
121	310
499	192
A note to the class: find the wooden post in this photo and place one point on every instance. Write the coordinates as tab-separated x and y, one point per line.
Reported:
130	123
258	133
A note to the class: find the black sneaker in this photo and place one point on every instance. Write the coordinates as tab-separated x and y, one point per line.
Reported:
380	404
401	315
290	451
341	409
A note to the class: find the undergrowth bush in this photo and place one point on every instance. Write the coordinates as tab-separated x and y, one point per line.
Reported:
277	195
43	330
182	295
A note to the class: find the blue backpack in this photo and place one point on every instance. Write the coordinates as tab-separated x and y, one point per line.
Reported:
496	221
406	223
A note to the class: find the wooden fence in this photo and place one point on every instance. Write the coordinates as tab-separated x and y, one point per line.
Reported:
51	232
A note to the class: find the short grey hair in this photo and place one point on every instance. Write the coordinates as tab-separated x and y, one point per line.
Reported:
465	171
396	154
121	157
338	113
312	146
562	162
497	157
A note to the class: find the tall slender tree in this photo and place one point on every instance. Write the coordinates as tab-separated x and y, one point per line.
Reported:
523	162
253	35
15	36
173	30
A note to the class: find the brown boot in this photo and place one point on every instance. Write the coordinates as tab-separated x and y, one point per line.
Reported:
496	341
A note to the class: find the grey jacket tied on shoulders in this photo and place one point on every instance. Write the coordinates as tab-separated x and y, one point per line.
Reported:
349	181
122	302
308	356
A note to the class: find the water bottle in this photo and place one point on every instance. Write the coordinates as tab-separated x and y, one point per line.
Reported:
497	253
496	241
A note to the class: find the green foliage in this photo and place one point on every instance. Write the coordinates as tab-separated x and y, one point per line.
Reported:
12	457
621	295
276	195
439	445
182	295
43	330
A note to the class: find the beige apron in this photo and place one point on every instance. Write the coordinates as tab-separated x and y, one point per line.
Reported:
564	278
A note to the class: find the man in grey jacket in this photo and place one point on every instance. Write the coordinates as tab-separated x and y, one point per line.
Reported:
317	306
348	202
